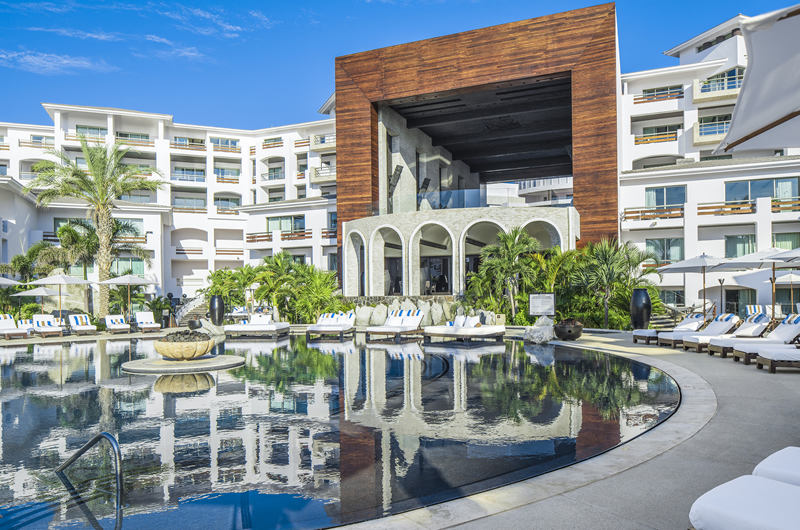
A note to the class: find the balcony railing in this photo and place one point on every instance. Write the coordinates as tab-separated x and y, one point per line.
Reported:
39	145
259	237
50	237
186	209
188	178
96	138
222	210
138	142
183	251
727	208
227	179
27	175
272	142
189	147
717	85
654	138
323	174
230	252
295	235
227	148
273	176
4	146
652	212
252	150
305	142
328	233
323	140
189	282
300	175
786	204
713	129
658	96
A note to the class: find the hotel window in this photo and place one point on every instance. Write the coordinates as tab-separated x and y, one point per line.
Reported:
44	140
133	136
665	196
226	172
189	172
88	130
746	190
662	92
81	163
712	125
788	241
332	220
301	193
226	202
137	224
301	259
120	266
189	141
3	170
275	173
136	197
225	142
662	129
737	246
724	81
718	157
787	298
333	261
666	250
189	202
674	297
296	223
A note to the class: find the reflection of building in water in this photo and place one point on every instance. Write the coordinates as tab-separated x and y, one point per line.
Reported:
235	435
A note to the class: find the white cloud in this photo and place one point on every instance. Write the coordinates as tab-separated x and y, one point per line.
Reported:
49	63
184	53
162	40
79	34
262	20
40	7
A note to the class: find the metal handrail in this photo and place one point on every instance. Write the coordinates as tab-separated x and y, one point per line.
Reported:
117	460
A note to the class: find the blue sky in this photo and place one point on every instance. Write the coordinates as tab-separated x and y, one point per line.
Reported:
261	64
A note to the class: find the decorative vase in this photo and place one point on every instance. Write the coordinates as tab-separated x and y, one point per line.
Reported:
217	309
640	309
183	351
568	331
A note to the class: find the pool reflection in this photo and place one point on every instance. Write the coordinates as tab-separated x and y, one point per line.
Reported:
318	435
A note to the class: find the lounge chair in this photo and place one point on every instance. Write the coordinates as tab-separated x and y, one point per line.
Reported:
407	350
260	325
752	327
117	324
336	348
754	309
9	329
46	326
719	326
735	505
334	324
469	330
690	323
467	355
778	356
782	334
26	324
400	323
145	322
787	331
81	325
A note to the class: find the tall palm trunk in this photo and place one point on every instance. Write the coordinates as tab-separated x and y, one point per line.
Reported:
105	227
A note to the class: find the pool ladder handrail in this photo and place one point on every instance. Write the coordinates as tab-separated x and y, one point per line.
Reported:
117	460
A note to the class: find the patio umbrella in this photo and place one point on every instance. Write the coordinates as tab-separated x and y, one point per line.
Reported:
60	279
128	279
767	107
696	264
758	260
791	279
41	291
5	282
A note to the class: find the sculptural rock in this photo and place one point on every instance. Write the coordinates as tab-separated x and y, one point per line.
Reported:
378	315
363	315
541	332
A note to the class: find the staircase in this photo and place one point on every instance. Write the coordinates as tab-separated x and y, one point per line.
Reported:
196	306
662	322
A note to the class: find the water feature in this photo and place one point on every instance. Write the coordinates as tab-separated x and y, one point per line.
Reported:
304	436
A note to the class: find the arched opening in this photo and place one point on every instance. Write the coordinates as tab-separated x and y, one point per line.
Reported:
432	260
386	262
544	232
476	237
355	269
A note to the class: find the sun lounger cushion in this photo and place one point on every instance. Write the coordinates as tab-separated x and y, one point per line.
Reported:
325	319
735	506
471	322
394	319
783	466
244	328
464	331
45	323
6	316
6	323
719	326
780	353
25	324
752	327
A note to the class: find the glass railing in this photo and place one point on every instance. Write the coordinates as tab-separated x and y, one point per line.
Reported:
463	199
712	129
273	176
188	178
729	83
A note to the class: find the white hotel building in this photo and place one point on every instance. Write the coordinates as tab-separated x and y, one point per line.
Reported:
234	196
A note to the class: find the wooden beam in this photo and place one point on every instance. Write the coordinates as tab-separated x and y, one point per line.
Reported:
556	102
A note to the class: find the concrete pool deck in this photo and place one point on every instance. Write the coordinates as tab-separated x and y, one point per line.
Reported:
731	417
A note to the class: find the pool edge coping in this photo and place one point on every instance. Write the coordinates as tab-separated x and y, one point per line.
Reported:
698	405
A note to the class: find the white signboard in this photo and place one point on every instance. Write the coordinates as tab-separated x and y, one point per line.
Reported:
542	304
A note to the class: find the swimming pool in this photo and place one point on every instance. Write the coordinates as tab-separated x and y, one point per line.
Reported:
304	436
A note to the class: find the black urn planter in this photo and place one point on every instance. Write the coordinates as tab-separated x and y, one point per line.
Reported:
216	308
640	309
568	331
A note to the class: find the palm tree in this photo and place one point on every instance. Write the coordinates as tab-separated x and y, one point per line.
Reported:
105	179
315	293
29	264
603	271
275	281
505	262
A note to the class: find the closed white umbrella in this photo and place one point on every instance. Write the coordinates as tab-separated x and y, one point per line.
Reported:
696	264
41	291
767	109
60	279
128	279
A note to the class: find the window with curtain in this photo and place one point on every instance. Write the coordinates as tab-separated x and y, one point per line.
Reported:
675	297
120	265
225	142
744	190
226	172
295	223
226	202
737	246
135	197
787	298
667	250
789	241
661	129
189	202
665	196
333	261
88	130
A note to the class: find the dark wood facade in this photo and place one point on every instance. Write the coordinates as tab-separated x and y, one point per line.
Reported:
581	43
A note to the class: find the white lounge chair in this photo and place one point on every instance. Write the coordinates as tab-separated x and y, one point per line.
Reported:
336	348
782	334
145	322
467	355
719	326
787	331
470	329
691	322
336	324
783	466
407	350
260	325
26	324
117	324
778	356
399	323
9	329
47	325
81	325
752	327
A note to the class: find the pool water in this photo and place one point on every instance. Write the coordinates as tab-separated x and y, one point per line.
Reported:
304	436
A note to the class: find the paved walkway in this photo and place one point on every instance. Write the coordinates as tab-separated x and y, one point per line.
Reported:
731	417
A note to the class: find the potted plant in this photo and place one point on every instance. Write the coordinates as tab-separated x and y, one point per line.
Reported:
568	329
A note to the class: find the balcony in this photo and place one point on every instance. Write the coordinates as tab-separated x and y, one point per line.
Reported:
259	237
187	147
542	185
4	146
38	145
50	237
323	142
229	252
221	210
655	138
271	143
648	213
727	208
710	133
328	233
658	96
300	175
135	142
188	178
786	204
27	175
227	179
184	251
302	143
139	240
273	179
323	175
705	91
189	282
186	209
227	148
296	235
91	138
